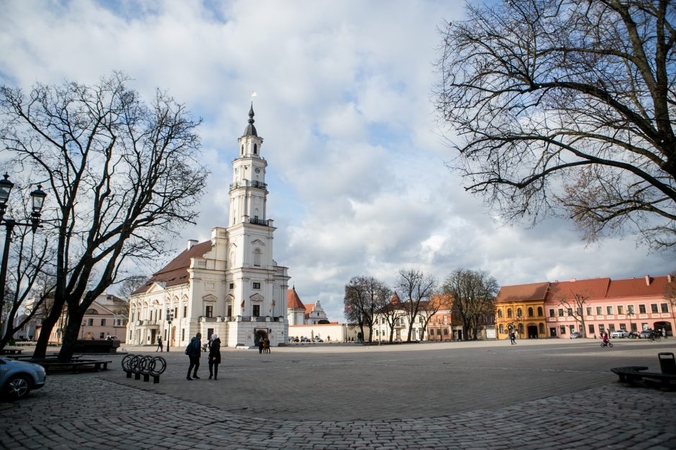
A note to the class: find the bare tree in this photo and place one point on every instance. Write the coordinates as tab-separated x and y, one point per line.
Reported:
429	308
417	289
128	285
392	312
473	295
575	303
567	107
363	297
122	176
28	285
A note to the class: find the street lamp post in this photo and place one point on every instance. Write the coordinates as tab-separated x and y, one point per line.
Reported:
170	317
37	201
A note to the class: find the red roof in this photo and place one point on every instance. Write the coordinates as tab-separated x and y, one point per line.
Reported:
522	293
176	272
292	299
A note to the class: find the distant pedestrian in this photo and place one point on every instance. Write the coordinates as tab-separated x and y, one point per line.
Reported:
160	346
194	352
214	356
260	345
512	338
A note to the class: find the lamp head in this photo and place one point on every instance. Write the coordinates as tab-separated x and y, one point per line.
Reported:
5	188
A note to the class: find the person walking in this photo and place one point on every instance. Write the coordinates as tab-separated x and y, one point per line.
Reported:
194	352
512	337
214	356
160	346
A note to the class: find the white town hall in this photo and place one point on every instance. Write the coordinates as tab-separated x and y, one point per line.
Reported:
230	285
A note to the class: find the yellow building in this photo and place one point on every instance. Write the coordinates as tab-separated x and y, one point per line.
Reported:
522	308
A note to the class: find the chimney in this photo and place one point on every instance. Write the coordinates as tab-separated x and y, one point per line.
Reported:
191	243
647	280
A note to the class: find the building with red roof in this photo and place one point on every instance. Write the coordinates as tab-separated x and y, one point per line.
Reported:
589	307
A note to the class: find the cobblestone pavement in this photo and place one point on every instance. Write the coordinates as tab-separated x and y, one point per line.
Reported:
535	395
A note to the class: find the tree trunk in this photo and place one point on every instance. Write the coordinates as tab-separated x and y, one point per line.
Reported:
46	330
70	335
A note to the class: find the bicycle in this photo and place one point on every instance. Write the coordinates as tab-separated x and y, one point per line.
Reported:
607	344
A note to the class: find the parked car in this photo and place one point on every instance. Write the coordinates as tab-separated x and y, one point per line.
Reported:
619	334
318	339
575	335
633	335
304	339
18	378
293	339
646	334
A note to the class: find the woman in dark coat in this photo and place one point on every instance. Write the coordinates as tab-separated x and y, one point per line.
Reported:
214	356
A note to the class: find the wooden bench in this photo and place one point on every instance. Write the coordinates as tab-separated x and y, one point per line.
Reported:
52	366
637	375
11	351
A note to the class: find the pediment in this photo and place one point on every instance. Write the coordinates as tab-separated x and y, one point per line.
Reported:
157	286
257	298
209	298
258	242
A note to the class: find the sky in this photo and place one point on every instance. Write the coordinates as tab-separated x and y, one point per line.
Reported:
357	176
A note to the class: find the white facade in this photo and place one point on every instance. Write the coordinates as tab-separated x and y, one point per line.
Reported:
229	285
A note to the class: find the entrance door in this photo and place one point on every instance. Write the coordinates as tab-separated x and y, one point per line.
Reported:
532	331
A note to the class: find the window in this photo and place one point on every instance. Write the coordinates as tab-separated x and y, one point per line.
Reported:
540	314
256	285
560	312
509	313
569	312
210	311
620	309
572	328
599	311
551	312
530	312
641	309
623	327
611	327
256	310
445	332
591	329
229	310
609	310
665	307
185	311
602	329
542	328
519	313
563	329
501	329
257	257
630	309
90	322
102	335
499	314
103	322
232	285
589	311
653	308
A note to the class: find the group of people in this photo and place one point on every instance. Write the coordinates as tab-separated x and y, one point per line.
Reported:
194	352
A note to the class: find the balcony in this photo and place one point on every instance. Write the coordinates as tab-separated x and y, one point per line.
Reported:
257	221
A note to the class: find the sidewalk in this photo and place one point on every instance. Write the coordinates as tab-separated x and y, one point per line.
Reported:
535	395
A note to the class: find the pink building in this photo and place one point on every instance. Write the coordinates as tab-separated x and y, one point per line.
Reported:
590	307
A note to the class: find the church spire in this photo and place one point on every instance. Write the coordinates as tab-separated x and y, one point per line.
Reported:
250	130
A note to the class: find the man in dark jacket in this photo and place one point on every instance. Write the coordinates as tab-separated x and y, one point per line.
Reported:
194	351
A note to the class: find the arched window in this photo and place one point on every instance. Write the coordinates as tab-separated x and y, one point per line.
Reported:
502	329
521	329
255	149
91	311
499	314
519	313
242	150
540	314
257	257
530	312
509	313
542	328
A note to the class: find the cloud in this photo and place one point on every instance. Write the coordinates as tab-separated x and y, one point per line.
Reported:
357	176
